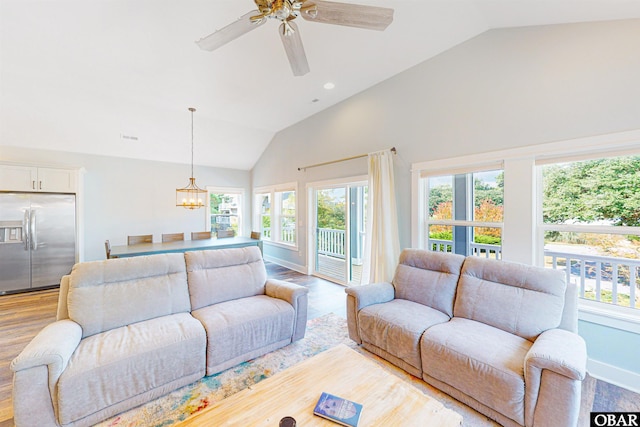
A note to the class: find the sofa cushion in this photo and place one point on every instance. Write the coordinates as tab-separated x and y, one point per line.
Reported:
517	298
114	366
479	360
429	278
238	327
396	327
224	274
108	294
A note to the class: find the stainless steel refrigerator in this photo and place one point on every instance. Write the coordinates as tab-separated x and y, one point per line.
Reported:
37	239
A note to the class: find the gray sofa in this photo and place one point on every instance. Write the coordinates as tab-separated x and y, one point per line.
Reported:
132	329
498	336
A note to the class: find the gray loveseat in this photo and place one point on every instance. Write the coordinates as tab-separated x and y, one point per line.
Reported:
498	336
132	329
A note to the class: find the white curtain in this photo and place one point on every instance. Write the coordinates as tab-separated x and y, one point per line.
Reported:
382	244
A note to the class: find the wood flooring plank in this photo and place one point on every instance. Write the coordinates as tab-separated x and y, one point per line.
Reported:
22	316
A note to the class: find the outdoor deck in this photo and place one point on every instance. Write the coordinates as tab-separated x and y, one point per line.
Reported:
333	269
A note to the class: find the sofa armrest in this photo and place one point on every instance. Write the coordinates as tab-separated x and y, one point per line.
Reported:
373	293
295	295
53	346
37	370
554	368
359	297
560	351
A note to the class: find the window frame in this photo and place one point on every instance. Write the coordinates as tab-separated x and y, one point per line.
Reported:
521	233
542	227
468	170
275	194
240	192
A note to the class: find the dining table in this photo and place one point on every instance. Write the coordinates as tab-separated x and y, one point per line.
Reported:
124	251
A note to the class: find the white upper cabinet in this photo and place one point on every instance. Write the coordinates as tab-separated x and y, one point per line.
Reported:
27	178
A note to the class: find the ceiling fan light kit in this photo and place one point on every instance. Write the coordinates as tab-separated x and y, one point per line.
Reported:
325	12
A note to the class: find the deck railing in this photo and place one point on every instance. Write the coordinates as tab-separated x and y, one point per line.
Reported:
475	249
287	235
606	279
600	278
331	242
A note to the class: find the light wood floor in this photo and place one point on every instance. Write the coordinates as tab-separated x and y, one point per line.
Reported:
23	315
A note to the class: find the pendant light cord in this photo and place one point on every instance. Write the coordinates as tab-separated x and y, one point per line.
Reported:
192	110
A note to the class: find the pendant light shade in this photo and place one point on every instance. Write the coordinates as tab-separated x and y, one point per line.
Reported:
191	196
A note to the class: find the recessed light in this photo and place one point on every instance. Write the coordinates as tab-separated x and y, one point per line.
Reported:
329	85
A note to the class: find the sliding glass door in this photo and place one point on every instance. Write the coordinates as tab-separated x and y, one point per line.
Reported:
338	223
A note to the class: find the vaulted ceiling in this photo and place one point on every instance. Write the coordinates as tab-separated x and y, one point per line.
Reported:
116	77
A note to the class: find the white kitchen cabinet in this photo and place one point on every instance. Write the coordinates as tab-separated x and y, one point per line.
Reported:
29	178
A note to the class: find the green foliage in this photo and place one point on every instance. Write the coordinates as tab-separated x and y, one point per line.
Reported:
482	239
487	240
607	296
331	211
483	191
217	199
439	195
593	190
443	235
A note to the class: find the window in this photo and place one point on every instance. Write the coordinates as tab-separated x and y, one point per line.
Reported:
465	213
590	225
225	209
276	213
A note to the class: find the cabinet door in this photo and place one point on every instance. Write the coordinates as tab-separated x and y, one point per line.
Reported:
56	180
18	178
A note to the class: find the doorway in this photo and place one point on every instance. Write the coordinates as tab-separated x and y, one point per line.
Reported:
338	228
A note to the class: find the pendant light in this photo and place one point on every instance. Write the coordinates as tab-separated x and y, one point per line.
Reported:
191	196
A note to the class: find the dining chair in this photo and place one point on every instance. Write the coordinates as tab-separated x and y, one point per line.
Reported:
255	235
172	237
107	248
200	235
225	233
144	238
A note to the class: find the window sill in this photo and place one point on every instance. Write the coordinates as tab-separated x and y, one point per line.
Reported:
623	318
281	245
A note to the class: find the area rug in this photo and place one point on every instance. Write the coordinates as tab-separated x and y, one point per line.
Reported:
322	333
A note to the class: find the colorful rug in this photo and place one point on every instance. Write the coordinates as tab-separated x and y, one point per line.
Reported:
322	333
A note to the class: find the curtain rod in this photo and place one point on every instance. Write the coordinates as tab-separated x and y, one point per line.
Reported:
392	149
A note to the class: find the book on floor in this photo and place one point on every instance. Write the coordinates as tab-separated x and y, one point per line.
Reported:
339	410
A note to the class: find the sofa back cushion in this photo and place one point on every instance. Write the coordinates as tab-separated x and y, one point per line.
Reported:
224	274
429	278
104	295
517	298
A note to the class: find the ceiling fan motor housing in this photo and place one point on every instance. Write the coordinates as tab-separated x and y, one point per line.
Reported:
284	10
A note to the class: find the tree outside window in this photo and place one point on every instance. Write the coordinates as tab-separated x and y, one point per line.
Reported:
458	205
590	216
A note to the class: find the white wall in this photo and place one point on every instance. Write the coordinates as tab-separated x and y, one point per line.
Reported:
505	88
127	197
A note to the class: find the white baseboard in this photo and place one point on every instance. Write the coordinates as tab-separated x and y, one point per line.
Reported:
291	266
614	375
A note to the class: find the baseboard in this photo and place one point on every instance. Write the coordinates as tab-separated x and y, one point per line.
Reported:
614	375
291	266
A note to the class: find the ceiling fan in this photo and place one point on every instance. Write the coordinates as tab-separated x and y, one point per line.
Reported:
286	11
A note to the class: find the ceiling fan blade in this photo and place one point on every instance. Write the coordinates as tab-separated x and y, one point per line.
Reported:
350	15
293	46
243	25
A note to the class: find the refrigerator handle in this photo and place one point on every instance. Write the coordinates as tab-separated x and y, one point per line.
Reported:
33	232
25	229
